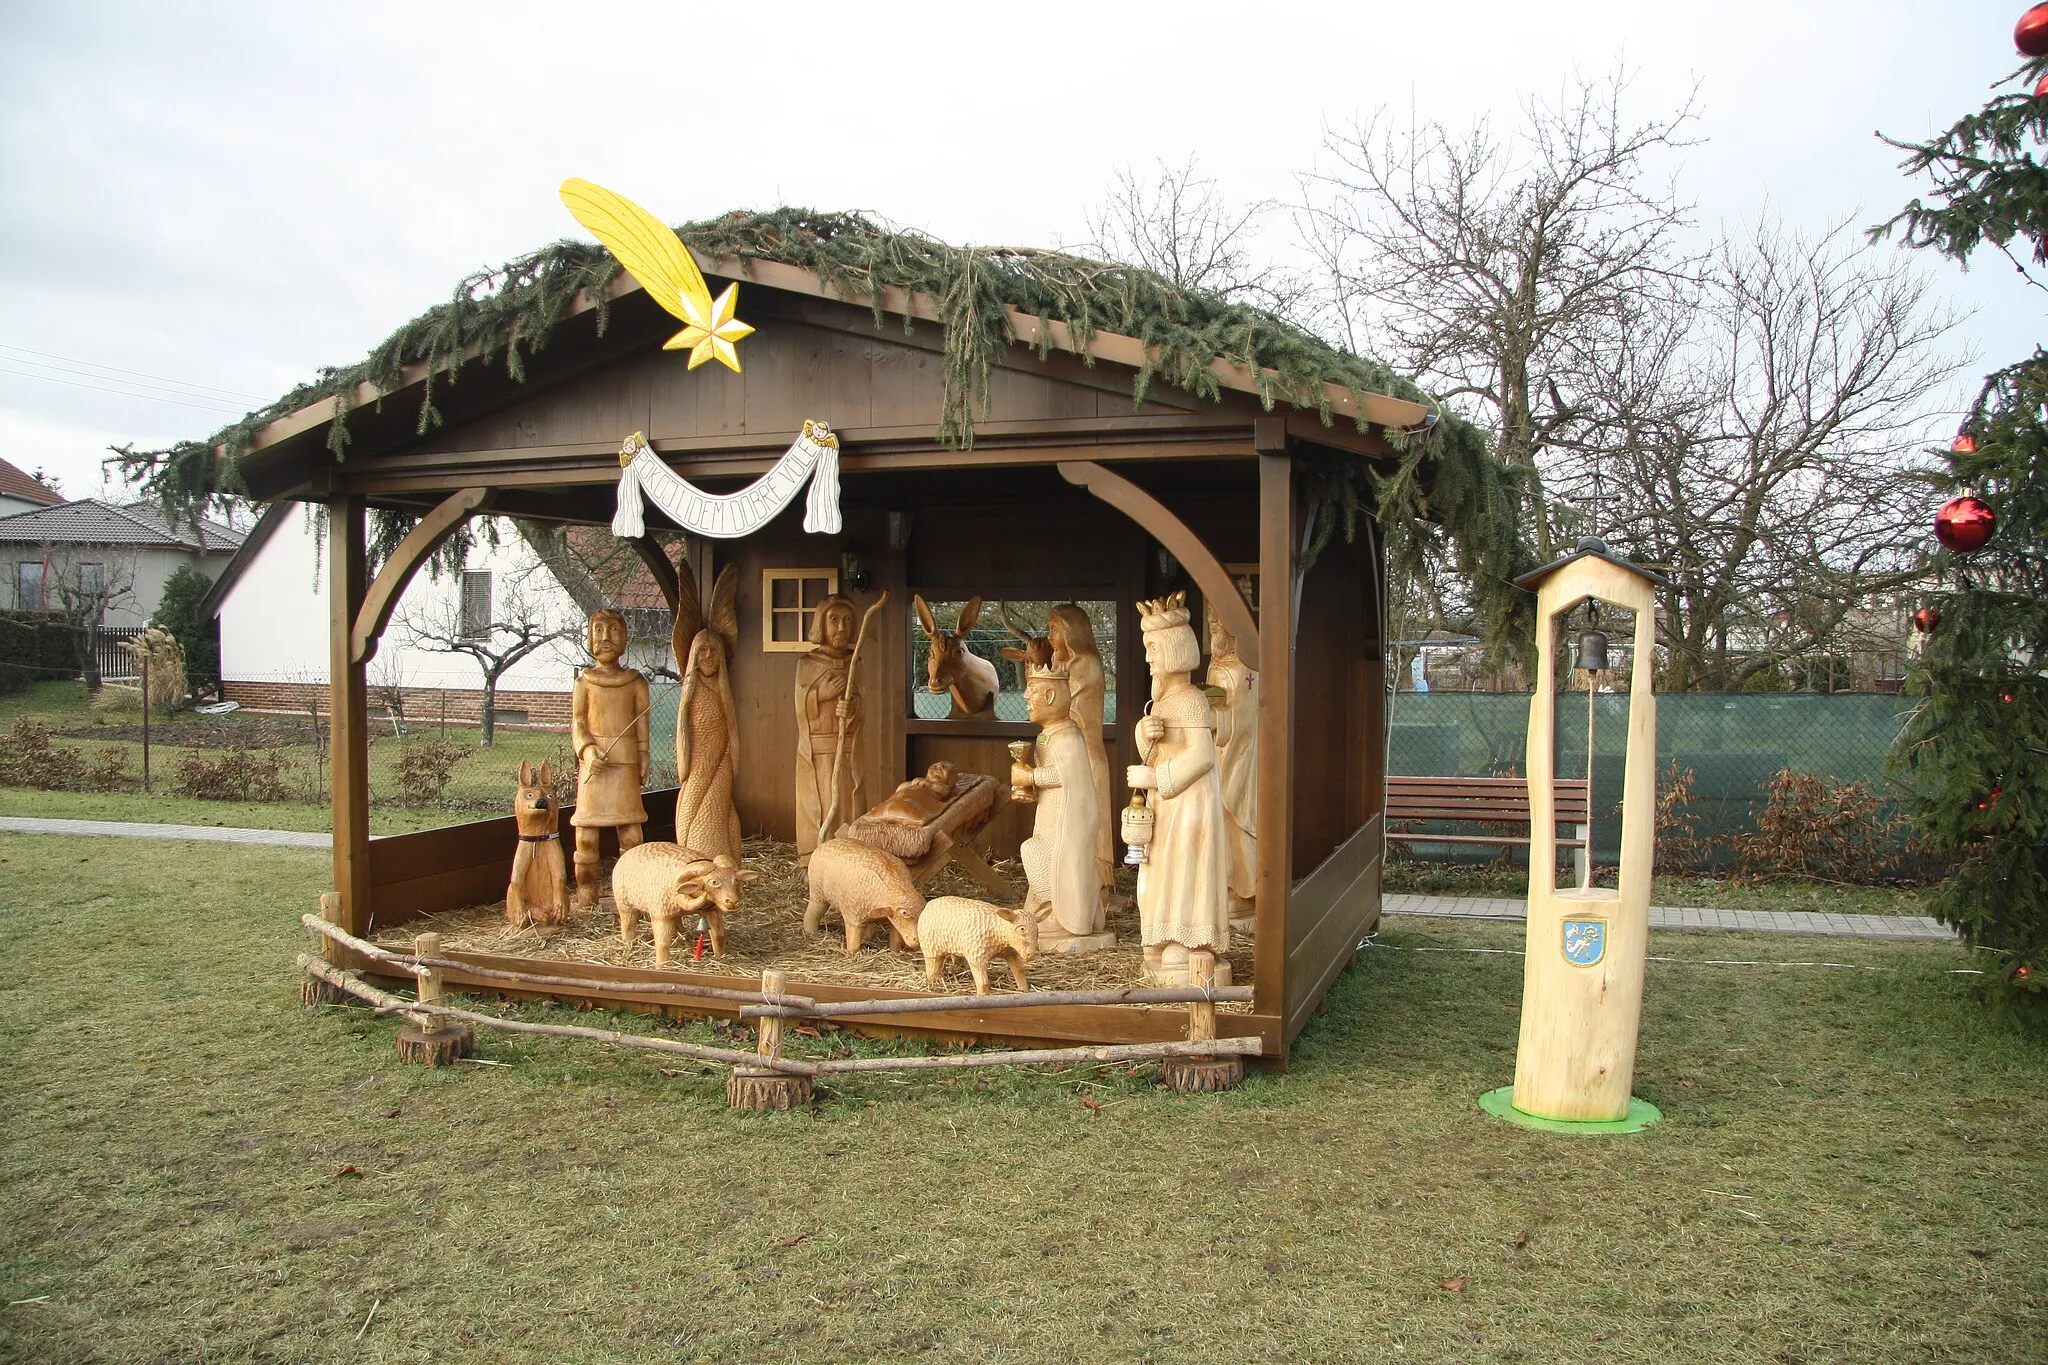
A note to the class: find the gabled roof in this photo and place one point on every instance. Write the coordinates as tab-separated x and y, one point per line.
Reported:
252	546
15	484
89	521
1589	547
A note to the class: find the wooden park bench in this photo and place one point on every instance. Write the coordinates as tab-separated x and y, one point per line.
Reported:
1485	801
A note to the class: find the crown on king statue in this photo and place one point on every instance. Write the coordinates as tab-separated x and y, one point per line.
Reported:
1049	672
1164	613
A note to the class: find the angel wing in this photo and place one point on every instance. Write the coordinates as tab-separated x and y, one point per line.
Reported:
653	255
688	615
725	609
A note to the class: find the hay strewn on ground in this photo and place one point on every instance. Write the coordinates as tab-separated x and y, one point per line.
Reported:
768	932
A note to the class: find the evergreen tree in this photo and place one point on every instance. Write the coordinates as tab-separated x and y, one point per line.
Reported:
177	611
1975	753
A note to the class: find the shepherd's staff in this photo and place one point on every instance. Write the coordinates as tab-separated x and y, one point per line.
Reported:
839	754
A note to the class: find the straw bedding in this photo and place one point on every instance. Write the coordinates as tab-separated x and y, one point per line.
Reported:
767	932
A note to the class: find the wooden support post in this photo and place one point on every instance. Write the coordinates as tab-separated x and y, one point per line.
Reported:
433	1042
1202	1073
1275	774
760	1087
348	711
314	992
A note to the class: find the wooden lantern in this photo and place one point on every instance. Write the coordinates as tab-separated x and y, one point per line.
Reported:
1582	983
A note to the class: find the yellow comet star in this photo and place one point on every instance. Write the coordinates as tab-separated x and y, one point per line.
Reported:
654	256
711	333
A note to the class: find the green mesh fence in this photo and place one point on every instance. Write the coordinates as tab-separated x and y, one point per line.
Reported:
1731	743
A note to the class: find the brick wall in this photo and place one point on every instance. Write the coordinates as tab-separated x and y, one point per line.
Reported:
422	705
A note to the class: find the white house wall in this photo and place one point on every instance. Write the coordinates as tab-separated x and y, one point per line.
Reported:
273	623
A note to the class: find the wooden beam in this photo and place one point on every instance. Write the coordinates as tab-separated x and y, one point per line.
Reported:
1275	776
348	710
418	546
657	561
1169	530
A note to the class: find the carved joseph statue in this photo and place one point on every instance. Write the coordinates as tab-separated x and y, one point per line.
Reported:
608	725
827	708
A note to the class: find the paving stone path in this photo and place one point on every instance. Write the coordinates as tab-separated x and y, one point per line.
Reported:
122	829
1824	924
1916	927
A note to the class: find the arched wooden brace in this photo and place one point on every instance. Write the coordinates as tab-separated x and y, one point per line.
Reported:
657	561
1169	530
417	547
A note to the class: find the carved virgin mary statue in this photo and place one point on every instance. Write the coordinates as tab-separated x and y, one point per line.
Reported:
1059	857
707	722
1072	636
827	723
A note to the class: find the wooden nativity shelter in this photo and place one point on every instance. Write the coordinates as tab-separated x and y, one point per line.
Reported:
1067	490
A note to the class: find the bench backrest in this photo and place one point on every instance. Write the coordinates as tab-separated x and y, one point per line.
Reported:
1498	800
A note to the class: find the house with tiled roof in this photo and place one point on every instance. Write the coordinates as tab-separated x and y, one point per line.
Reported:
131	546
21	492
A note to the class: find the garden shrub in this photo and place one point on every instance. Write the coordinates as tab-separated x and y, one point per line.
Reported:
424	770
108	770
28	758
177	614
36	646
237	775
1821	830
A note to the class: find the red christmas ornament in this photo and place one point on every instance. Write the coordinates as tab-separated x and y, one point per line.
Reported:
1988	802
1926	619
2007	695
2040	89
1965	443
2022	971
2030	35
1964	524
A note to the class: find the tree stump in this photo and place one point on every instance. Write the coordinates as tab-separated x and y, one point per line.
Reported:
1202	1073
313	993
756	1087
444	1046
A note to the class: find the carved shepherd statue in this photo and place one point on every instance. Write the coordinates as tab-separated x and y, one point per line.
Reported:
1059	857
1183	889
608	709
1072	636
827	699
1237	759
707	722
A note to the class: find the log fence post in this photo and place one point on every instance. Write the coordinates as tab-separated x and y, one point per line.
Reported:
313	992
433	1041
762	1087
1200	1072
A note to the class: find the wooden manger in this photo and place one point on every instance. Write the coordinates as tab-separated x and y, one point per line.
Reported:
1070	491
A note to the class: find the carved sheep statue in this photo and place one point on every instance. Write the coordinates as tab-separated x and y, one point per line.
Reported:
667	881
863	884
976	932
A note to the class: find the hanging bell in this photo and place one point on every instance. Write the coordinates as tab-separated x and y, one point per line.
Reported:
1593	651
1137	830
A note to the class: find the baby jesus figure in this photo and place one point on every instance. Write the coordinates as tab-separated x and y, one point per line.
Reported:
920	800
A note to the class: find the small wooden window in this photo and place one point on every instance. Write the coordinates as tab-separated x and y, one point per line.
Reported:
476	604
790	599
28	585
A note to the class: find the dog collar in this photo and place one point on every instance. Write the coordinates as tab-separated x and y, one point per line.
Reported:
538	838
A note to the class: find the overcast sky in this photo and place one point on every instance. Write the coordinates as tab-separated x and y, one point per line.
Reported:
216	200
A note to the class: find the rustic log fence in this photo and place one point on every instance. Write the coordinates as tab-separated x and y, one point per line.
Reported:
438	1034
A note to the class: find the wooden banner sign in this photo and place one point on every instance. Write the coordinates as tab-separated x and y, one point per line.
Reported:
813	458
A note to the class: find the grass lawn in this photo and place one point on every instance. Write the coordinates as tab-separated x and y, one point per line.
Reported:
1853	1167
1505	879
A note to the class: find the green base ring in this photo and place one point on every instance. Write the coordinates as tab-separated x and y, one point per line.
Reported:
1501	1104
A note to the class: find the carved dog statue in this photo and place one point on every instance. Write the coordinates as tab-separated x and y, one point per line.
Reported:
667	881
539	892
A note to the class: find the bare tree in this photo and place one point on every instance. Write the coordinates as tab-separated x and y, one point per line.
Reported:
1761	447
1179	224
88	582
519	622
1501	271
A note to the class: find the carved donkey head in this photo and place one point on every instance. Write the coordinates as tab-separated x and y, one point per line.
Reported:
952	667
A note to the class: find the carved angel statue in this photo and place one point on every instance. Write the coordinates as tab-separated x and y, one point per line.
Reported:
707	722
